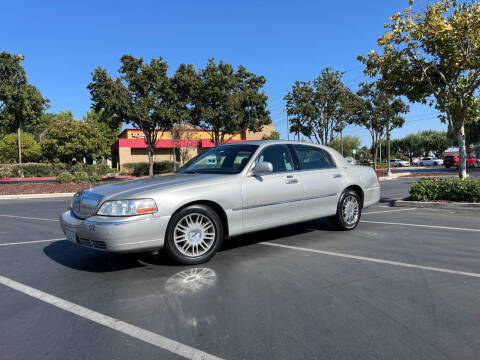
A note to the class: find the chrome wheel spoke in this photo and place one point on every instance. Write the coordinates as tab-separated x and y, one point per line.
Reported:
194	235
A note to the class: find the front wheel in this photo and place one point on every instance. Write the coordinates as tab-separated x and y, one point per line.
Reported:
421	164
194	234
349	211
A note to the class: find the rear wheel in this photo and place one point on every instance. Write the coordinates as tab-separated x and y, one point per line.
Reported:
349	211
194	235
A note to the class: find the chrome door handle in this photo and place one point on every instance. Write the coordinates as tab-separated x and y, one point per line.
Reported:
336	176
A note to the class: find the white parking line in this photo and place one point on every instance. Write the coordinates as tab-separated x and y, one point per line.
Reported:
31	242
112	323
26	217
375	260
386	211
420	225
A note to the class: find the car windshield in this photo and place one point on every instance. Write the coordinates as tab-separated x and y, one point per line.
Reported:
227	159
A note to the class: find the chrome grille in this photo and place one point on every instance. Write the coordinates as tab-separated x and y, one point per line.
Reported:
92	243
85	203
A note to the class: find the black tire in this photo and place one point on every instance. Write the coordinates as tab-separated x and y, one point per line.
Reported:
447	166
421	164
338	219
194	210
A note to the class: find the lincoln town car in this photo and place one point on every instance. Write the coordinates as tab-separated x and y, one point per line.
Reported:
227	191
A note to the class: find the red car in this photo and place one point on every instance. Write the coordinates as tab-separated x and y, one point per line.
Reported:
452	160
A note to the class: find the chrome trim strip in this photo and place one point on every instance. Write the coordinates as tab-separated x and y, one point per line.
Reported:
284	202
126	222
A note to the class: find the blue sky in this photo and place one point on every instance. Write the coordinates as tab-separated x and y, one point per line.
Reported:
63	41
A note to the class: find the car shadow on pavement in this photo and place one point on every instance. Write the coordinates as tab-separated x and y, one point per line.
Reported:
84	259
90	260
278	233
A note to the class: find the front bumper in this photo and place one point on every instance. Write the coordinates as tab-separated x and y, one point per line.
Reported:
116	234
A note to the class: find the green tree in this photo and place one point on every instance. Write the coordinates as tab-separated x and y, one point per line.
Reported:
320	108
410	146
274	135
9	152
226	101
433	57
21	104
379	112
436	142
142	95
349	143
109	135
67	140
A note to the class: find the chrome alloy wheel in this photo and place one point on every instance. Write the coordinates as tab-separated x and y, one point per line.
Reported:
350	210
194	235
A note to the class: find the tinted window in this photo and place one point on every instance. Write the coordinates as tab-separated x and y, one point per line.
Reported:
279	156
228	159
313	158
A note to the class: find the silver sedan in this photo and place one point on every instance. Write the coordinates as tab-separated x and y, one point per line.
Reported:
227	191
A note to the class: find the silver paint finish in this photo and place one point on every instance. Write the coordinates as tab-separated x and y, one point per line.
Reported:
249	202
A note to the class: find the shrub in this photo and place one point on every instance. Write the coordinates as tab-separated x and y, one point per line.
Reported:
81	176
139	169
48	169
65	177
467	190
95	177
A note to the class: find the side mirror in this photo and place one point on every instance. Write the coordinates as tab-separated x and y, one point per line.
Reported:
262	167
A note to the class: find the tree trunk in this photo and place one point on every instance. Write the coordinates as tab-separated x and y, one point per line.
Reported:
19	146
462	151
150	160
341	141
375	148
389	170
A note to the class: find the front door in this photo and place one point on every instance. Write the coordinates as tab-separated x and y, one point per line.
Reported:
272	199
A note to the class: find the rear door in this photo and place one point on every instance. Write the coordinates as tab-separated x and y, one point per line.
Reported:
321	179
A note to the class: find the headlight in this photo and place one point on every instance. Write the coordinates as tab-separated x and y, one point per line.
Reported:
127	207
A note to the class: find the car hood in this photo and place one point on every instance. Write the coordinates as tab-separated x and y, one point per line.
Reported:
128	188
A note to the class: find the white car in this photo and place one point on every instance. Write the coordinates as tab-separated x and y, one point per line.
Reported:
430	161
399	163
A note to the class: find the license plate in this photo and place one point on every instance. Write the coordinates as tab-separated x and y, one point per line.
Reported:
71	235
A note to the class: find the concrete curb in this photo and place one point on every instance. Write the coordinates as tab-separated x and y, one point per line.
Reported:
35	196
436	205
394	176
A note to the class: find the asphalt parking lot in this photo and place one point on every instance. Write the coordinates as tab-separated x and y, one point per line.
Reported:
404	285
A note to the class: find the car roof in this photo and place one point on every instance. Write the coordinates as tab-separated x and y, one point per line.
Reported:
271	142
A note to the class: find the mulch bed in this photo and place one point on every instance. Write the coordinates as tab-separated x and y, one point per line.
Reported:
44	188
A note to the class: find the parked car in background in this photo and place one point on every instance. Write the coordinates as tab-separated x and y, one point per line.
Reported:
450	160
250	186
472	162
430	161
366	162
399	163
351	160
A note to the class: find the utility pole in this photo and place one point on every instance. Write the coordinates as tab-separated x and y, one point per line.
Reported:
19	146
288	129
